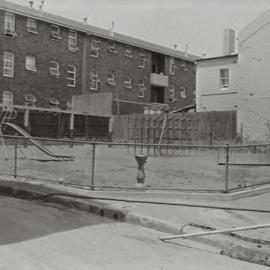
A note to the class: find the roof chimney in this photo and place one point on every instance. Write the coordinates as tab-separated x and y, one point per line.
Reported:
175	46
41	6
85	20
228	41
31	4
186	50
111	30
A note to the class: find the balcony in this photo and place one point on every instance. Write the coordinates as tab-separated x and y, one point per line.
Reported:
159	80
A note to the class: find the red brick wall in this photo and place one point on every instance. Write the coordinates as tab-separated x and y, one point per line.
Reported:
41	83
44	86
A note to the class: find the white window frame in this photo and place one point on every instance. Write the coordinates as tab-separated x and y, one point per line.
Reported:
128	52
8	64
112	47
224	78
54	68
111	78
128	82
7	98
172	93
142	89
31	25
94	80
172	66
31	63
71	76
72	41
55	32
142	59
10	24
183	92
95	48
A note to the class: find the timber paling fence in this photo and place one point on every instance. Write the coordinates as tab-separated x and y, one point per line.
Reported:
112	165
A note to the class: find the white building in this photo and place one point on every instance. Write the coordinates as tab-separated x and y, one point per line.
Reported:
240	81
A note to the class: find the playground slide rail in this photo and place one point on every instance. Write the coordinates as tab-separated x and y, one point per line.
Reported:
37	143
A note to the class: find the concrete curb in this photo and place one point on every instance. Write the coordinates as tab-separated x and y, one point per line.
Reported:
251	252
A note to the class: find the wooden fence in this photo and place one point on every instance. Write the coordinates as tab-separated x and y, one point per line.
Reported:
178	128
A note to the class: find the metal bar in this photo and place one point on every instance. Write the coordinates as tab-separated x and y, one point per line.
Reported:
15	157
93	166
245	164
227	168
254	227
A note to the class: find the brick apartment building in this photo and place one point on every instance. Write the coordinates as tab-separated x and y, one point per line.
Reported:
48	59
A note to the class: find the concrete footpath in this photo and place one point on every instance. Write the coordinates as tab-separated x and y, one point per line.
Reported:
169	212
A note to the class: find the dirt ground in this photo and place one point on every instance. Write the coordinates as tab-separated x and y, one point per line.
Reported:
116	167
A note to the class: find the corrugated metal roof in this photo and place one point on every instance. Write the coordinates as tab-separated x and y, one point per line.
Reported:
90	29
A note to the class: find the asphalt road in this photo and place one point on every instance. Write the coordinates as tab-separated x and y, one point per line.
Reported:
37	236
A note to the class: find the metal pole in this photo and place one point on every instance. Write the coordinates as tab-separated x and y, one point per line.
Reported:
15	157
254	227
227	168
93	166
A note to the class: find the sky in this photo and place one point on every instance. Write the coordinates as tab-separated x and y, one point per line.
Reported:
194	24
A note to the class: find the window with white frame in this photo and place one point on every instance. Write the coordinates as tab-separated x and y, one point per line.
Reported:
71	76
142	89
95	48
111	78
94	80
54	68
55	32
224	78
30	63
31	25
7	98
127	82
112	47
8	64
183	93
9	24
72	41
142	59
128	52
172	93
172	66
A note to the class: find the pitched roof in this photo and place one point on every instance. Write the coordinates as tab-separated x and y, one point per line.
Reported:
90	29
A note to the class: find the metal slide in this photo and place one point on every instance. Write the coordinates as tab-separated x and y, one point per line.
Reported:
38	144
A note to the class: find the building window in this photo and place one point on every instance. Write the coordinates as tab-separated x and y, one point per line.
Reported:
142	89
112	47
31	25
127	82
10	24
55	32
128	52
184	67
54	68
142	59
111	78
71	76
72	41
172	93
224	78
94	80
8	64
183	93
54	103
30	100
7	98
172	66
95	48
30	63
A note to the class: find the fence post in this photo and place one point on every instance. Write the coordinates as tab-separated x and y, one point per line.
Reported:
227	168
93	166
15	157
